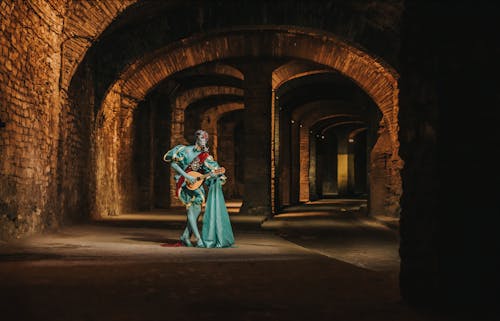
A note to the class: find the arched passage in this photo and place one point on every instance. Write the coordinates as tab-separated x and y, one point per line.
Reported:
296	69
221	123
210	119
335	156
187	98
378	80
318	112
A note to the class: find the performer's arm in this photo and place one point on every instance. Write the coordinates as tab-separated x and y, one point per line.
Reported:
179	170
175	155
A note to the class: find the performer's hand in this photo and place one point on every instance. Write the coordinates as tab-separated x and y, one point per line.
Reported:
190	179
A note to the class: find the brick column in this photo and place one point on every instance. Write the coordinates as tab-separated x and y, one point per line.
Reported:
257	120
284	159
295	161
379	162
226	157
313	190
351	167
342	162
304	163
176	138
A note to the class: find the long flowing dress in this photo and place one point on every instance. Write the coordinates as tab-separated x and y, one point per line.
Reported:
217	230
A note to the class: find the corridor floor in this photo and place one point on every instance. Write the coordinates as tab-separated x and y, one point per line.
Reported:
110	271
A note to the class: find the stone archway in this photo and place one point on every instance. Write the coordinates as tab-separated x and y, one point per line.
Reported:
378	80
210	118
186	98
318	111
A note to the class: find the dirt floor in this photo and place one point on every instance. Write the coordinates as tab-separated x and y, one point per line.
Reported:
294	267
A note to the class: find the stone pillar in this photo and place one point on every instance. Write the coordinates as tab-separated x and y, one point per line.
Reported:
295	162
342	162
257	120
226	157
351	166
162	171
304	164
176	138
313	191
209	124
284	159
379	162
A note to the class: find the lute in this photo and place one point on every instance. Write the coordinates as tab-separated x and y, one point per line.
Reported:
201	177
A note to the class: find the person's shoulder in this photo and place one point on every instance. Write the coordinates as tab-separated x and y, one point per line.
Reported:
179	148
176	153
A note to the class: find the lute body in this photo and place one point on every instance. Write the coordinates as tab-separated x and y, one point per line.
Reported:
200	178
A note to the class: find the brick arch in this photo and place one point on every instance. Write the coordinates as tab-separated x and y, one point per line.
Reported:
296	69
355	132
210	118
84	22
180	104
324	107
341	123
345	171
217	68
210	122
304	74
376	78
307	115
186	98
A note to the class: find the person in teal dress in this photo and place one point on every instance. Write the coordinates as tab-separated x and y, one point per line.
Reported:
216	230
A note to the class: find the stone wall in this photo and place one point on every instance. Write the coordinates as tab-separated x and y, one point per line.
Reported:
384	192
30	64
44	146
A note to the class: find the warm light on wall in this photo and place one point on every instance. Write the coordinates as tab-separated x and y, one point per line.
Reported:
351	140
342	171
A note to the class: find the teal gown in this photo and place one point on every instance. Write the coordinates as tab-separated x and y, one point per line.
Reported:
216	231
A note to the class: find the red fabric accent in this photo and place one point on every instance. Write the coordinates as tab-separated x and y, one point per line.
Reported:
178	185
202	157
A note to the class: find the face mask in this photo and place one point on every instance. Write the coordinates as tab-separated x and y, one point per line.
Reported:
201	138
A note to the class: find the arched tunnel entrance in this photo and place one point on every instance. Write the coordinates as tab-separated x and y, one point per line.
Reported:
328	128
320	113
200	90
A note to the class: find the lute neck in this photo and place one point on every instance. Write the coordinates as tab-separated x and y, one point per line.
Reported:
217	172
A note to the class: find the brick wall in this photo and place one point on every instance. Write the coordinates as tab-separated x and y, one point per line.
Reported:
30	64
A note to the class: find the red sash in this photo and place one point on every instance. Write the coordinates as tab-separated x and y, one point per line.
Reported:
201	157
